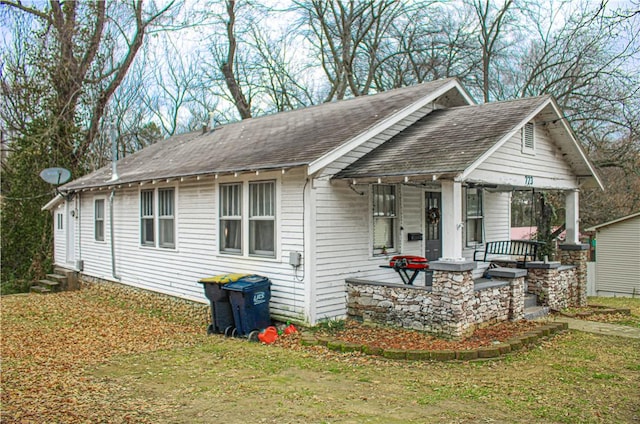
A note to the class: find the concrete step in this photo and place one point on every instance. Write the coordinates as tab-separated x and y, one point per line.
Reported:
60	278
530	300
70	278
535	312
48	284
40	290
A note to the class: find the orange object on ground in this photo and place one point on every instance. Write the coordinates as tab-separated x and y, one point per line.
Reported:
268	335
290	329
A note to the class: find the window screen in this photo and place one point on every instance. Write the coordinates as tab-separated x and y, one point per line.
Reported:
262	218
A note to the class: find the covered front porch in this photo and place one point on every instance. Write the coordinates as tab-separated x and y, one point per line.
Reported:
465	163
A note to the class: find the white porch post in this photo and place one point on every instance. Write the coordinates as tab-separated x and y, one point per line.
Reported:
572	216
452	225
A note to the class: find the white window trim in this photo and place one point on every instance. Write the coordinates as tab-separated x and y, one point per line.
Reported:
161	218
396	223
528	150
244	246
467	243
240	218
249	219
104	219
156	218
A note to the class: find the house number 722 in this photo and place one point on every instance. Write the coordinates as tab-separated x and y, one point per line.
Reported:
528	180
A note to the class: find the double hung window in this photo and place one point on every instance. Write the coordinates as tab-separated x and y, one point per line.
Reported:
262	218
166	218
231	218
384	218
248	208
163	220
474	216
98	220
147	218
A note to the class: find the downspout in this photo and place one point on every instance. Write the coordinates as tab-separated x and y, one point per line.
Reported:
113	246
114	177
79	259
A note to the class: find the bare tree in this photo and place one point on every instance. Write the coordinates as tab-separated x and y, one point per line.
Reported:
429	41
174	76
227	67
492	21
281	78
85	47
347	36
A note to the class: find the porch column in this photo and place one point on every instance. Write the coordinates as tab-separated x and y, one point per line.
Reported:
572	217
452	224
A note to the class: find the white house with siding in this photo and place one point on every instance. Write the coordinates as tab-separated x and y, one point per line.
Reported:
618	257
341	186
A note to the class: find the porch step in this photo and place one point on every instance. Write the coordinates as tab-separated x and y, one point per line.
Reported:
39	290
535	312
49	284
530	300
67	278
60	278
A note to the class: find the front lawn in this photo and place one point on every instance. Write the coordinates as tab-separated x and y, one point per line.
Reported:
80	357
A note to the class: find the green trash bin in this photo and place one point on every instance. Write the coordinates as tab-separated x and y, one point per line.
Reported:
222	320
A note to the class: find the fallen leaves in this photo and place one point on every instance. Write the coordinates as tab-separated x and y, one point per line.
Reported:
394	338
48	342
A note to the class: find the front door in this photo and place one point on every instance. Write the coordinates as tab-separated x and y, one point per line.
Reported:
433	230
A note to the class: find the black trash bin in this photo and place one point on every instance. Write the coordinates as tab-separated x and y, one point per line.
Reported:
249	297
221	313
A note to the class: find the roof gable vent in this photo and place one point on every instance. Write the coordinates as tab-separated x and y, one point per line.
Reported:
528	139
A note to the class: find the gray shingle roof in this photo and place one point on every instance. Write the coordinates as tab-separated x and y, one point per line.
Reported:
445	141
281	140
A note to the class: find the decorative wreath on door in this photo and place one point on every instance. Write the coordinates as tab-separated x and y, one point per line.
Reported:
433	215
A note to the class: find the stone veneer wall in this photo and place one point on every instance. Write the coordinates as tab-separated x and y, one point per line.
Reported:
451	306
578	255
554	284
179	309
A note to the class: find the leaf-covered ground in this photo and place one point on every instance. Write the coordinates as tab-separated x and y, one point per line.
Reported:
49	341
84	357
390	338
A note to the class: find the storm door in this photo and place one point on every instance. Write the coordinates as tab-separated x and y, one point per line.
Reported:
432	227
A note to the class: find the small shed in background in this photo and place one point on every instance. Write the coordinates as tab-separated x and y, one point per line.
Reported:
617	268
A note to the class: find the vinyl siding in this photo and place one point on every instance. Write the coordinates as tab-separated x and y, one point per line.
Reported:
618	258
177	271
510	166
497	215
343	241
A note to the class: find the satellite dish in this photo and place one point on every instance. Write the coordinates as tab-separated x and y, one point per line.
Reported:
55	176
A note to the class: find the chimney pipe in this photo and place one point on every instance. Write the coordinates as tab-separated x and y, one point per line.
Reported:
114	152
